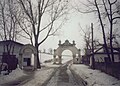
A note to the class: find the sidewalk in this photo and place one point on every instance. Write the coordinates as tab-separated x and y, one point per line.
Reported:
94	77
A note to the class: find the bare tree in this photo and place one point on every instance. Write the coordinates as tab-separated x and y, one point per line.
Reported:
107	12
8	24
118	7
111	14
103	29
41	17
50	50
87	38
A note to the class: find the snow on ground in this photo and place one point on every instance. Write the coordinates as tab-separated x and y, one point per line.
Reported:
12	76
94	77
44	57
40	77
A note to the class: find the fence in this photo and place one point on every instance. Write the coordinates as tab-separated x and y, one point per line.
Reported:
107	67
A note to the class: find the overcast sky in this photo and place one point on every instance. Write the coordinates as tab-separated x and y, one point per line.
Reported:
71	30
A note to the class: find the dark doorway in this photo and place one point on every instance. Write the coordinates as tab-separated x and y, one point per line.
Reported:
28	60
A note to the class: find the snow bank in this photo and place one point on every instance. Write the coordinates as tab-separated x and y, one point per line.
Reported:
12	76
94	77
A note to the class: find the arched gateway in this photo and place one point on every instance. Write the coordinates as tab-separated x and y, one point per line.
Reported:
28	57
67	46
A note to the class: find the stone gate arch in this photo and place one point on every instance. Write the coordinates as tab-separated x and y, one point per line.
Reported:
25	57
67	46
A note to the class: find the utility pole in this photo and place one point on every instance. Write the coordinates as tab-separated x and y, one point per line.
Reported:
93	59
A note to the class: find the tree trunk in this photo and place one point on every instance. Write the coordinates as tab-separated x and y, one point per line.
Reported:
38	61
111	45
103	31
93	59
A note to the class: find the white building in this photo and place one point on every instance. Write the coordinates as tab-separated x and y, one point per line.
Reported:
100	55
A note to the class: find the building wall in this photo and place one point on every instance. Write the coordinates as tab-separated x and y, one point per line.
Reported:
100	57
17	48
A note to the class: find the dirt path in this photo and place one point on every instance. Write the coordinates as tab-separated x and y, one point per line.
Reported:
64	77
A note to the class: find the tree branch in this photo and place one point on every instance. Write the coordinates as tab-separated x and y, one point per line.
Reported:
116	18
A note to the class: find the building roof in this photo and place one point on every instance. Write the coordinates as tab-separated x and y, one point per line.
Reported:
10	41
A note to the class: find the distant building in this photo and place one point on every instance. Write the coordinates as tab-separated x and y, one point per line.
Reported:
100	55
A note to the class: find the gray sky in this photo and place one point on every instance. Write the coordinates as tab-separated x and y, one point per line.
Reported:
71	30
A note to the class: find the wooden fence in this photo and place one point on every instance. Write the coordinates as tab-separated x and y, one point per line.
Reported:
107	67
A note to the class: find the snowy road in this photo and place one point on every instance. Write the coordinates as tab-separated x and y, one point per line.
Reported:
29	77
60	76
63	77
